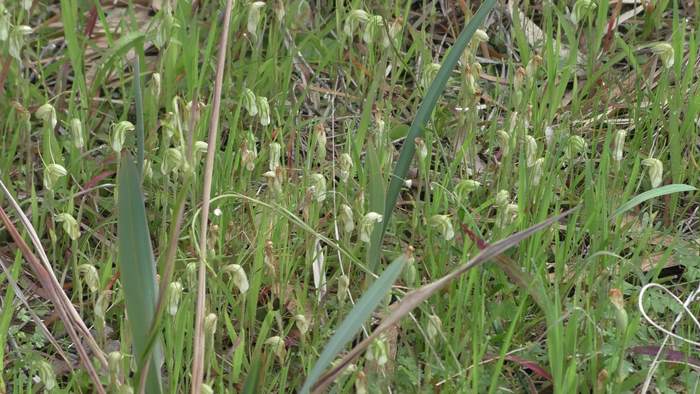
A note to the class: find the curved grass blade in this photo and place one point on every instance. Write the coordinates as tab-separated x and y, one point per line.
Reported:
353	322
426	109
414	298
136	263
653	193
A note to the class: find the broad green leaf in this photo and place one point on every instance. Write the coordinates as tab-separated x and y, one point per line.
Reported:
138	276
353	322
653	193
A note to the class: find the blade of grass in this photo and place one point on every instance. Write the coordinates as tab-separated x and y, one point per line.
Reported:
353	322
413	299
137	267
426	109
199	348
653	193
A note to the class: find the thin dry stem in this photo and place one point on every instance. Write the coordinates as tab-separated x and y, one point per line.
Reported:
199	348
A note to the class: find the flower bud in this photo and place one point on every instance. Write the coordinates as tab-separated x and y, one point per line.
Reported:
619	144
155	85
480	36
47	113
581	10
318	187
191	273
502	198
250	102
377	351
618	302
665	52
575	145
321	140
263	110
374	29
174	293
90	276
275	153
238	276
52	173
346	165
210	324
503	139
343	286
530	150
254	17
102	304
444	224
656	170
200	147
46	375
367	225
76	128
421	149
347	218
119	131
537	171
428	75
532	66
434	326
302	323
466	186
172	161
278	347
70	225
354	19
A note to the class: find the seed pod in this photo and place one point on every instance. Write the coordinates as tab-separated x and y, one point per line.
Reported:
656	170
70	225
444	224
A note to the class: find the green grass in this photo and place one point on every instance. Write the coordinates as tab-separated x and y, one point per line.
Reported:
546	316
